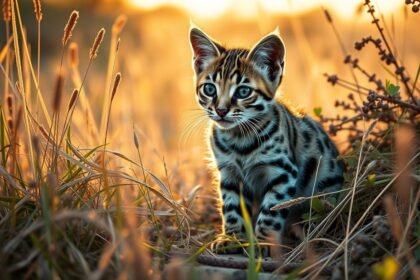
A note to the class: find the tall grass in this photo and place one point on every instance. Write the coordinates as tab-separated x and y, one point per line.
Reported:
72	208
57	219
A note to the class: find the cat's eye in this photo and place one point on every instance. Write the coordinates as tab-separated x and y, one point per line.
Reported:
209	90
243	92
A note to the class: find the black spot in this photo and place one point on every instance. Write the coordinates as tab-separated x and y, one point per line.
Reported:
307	136
265	212
218	143
279	196
331	182
246	80
258	107
281	138
269	147
284	213
277	151
332	165
284	165
282	179
228	186
263	94
268	222
230	208
202	103
224	196
238	77
291	191
232	220
307	139
277	226
320	146
214	76
308	170
276	139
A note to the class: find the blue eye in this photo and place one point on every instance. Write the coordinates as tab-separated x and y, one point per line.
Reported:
209	90
243	92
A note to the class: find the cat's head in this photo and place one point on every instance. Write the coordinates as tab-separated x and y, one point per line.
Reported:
236	85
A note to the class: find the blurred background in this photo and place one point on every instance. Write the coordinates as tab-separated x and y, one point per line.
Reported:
157	97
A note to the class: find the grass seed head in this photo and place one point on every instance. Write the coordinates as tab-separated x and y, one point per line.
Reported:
328	16
9	102
71	23
116	85
6	9
119	24
58	92
74	55
10	125
136	140
97	43
38	10
73	99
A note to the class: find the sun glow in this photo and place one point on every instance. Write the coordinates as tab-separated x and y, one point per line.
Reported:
255	8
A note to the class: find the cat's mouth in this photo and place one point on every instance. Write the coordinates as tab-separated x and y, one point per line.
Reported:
224	123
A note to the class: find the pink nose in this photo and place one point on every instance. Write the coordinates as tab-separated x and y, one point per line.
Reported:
222	112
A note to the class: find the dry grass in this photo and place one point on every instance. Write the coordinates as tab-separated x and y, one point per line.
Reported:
85	193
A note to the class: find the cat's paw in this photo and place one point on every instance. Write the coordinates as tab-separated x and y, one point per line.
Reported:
228	245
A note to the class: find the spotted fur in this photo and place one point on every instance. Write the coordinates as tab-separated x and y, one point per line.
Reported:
257	142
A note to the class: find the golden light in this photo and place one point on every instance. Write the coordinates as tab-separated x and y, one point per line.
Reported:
256	8
200	8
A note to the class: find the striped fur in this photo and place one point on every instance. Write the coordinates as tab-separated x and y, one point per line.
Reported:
257	142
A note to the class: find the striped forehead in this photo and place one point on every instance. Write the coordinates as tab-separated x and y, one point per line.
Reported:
229	64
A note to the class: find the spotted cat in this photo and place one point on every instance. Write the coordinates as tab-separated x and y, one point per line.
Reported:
258	142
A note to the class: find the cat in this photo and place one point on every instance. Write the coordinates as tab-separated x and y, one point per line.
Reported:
262	149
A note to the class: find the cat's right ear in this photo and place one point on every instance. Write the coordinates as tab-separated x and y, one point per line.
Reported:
204	48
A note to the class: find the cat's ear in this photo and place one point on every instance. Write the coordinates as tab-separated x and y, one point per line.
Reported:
268	57
204	49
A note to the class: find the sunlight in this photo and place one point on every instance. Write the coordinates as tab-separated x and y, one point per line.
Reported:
252	8
200	8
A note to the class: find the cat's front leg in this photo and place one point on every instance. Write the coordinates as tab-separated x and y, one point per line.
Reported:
279	187
233	222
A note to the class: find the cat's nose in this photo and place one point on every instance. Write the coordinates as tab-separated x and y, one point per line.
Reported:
222	112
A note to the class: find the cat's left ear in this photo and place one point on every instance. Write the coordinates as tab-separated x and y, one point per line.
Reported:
204	48
268	57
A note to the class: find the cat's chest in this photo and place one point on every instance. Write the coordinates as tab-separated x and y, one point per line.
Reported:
247	155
